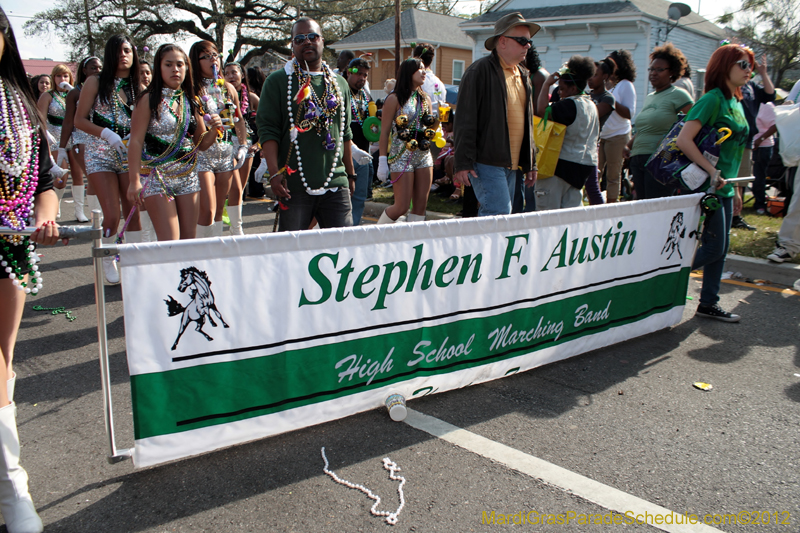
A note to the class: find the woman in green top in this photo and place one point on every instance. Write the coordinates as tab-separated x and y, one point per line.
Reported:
661	108
728	70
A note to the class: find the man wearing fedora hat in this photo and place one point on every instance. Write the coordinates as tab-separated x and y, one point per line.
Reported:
493	134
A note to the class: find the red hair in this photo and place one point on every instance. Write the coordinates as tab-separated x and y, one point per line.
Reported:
719	68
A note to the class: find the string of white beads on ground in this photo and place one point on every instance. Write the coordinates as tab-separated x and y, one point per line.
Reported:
388	464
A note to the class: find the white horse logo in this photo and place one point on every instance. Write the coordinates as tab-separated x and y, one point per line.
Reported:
201	307
676	232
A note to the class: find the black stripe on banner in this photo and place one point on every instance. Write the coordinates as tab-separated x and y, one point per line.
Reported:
416	320
471	362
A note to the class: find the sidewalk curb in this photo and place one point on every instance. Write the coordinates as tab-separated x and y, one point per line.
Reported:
753	268
749	267
374	209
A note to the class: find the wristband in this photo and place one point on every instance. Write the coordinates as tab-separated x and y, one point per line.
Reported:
352	176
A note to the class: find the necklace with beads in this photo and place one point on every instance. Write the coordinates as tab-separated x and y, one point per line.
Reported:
19	175
322	118
358	105
60	99
216	90
408	135
118	106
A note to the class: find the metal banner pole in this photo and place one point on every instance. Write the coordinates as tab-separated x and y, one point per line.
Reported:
98	253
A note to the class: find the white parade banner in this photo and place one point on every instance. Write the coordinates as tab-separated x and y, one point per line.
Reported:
235	339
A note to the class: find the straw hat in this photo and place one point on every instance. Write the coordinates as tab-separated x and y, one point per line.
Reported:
507	22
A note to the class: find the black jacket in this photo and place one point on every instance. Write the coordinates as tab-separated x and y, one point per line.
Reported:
481	128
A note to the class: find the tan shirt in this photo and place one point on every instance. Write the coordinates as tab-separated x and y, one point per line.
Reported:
515	115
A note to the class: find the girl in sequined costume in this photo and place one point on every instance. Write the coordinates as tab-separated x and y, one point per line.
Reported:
52	105
104	111
408	120
248	104
25	190
90	66
166	126
215	165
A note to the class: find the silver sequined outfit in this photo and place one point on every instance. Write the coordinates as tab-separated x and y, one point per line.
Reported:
408	161
56	109
79	136
164	128
99	155
219	157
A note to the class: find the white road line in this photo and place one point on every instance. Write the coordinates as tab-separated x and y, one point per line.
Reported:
588	489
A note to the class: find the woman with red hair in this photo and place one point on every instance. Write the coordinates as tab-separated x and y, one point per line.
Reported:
728	69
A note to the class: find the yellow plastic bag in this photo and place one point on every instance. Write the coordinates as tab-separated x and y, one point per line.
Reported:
549	137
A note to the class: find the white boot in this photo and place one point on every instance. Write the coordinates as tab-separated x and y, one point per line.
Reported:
204	232
94	205
133	237
235	213
10	386
385	219
148	231
15	500
217	229
60	194
411	217
110	264
77	197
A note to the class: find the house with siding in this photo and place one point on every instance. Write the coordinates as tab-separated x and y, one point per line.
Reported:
454	49
595	28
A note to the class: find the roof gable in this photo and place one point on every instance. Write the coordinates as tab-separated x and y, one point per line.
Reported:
652	8
415	25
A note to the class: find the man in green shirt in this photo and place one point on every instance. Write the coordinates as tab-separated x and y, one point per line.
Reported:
303	123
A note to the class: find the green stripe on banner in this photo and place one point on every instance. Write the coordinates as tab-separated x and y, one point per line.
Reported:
218	393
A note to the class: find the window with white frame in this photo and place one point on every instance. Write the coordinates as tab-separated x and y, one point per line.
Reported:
458	71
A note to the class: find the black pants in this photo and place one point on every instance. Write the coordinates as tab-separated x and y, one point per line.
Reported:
332	210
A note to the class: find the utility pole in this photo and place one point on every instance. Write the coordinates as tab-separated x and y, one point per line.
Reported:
396	37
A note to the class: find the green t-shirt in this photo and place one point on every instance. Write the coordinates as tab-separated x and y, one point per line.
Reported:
272	120
730	114
656	118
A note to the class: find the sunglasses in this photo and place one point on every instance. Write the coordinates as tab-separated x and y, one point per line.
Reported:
744	64
301	38
521	40
656	69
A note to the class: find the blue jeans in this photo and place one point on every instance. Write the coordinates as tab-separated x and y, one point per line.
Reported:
711	254
524	197
363	183
494	188
761	158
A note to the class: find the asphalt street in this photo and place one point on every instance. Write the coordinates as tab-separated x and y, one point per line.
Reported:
626	416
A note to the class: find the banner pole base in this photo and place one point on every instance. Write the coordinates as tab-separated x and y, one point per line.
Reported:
121	455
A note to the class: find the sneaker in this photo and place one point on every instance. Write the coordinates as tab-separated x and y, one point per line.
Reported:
761	211
740	223
714	311
779	255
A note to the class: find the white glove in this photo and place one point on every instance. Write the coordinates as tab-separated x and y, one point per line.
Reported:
260	171
241	154
360	156
56	171
62	160
115	141
383	168
50	139
65	86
